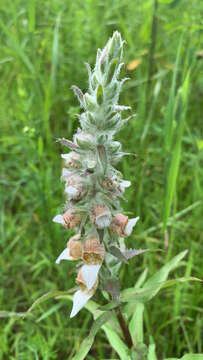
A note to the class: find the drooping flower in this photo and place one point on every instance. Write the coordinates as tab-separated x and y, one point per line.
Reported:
75	188
81	296
69	220
73	250
122	226
101	216
72	160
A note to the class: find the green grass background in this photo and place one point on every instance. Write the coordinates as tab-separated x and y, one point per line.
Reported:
43	47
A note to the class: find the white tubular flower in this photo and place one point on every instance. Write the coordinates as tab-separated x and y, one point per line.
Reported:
81	296
122	226
65	255
73	250
75	188
93	255
130	225
101	216
72	160
69	220
90	274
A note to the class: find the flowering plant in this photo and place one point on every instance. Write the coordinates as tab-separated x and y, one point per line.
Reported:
93	187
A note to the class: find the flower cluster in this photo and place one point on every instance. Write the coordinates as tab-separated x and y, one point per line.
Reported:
92	185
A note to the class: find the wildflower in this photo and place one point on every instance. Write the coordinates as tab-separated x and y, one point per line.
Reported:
75	188
69	220
81	296
91	181
73	250
72	160
101	216
122	226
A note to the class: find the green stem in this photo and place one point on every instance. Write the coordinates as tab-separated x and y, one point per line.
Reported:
153	43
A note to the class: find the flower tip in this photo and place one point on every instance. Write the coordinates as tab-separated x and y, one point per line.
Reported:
80	298
59	219
131	223
65	255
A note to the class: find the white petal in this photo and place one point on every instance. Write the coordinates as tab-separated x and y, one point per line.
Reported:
72	191
79	300
103	220
89	275
131	223
65	255
66	156
125	184
65	174
59	219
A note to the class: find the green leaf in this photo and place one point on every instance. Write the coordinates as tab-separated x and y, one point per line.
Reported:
163	273
146	294
165	1
117	344
111	305
188	357
151	352
5	314
176	152
100	95
136	324
133	252
46	297
88	342
115	251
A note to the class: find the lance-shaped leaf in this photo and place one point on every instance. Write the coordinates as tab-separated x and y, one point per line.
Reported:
79	95
100	95
133	252
68	143
102	157
47	296
147	293
115	251
87	343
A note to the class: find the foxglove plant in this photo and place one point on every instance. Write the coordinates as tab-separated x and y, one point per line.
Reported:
93	186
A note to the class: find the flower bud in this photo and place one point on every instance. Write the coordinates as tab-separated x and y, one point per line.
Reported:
101	216
122	226
72	160
93	251
75	188
84	140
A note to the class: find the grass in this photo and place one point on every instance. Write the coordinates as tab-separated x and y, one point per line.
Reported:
43	50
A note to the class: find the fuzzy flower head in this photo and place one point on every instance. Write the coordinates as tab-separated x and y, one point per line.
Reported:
93	187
